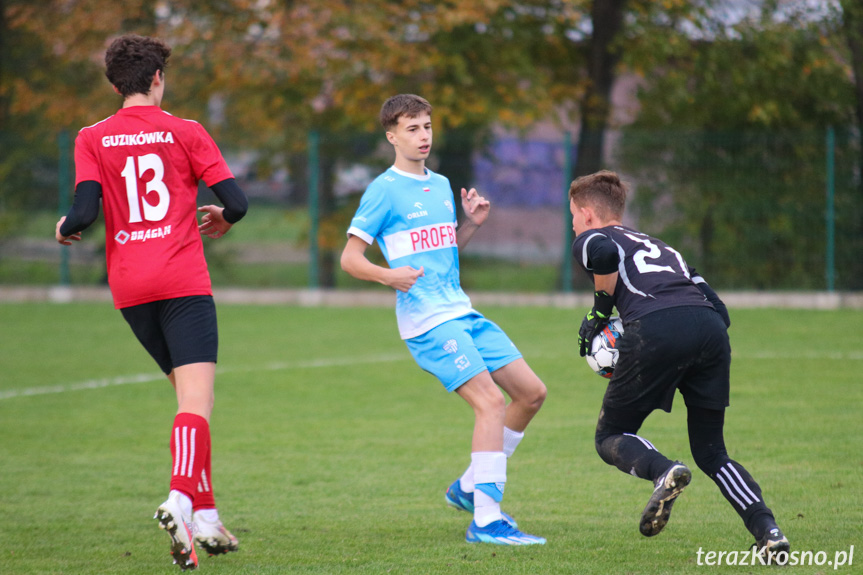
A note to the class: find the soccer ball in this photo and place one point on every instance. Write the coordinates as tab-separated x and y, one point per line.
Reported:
603	350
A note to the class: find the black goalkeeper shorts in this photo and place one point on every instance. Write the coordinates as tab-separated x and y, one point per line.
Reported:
176	331
683	348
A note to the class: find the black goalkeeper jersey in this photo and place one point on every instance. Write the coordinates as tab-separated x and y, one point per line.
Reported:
652	275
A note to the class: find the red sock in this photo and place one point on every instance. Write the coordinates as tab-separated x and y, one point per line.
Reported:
190	447
204	495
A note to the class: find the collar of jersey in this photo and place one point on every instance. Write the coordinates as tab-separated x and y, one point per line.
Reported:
139	110
413	176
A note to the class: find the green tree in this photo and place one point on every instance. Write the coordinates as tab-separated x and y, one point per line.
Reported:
728	150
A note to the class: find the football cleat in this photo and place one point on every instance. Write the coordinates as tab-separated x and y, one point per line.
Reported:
463	501
212	537
500	533
668	488
181	529
771	545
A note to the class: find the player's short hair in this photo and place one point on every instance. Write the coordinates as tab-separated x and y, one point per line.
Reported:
603	191
409	105
132	60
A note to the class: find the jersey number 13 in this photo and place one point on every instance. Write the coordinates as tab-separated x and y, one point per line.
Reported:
149	162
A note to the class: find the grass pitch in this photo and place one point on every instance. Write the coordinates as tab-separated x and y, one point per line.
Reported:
332	450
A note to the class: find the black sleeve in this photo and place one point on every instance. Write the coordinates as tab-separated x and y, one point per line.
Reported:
712	297
233	198
603	255
85	208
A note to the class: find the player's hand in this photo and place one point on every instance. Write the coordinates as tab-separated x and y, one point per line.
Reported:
595	320
213	224
65	240
475	206
404	278
592	324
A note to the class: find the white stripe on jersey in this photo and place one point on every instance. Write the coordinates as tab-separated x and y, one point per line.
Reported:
623	275
422	239
584	249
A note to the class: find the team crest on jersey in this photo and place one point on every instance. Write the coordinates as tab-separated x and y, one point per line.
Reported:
462	362
451	346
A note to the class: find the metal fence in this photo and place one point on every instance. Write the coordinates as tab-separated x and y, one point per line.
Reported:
755	210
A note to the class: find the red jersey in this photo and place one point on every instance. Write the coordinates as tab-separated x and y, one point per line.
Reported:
149	164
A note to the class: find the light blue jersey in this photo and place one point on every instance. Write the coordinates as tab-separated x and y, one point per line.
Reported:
413	220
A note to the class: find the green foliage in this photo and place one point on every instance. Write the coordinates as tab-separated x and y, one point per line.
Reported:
728	153
333	457
778	76
747	208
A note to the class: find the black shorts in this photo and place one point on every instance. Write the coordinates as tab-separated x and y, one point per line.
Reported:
176	331
683	348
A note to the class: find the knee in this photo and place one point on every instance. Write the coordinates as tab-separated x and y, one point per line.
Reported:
492	405
709	458
536	396
606	446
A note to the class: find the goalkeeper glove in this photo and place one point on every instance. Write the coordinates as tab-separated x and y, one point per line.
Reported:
595	321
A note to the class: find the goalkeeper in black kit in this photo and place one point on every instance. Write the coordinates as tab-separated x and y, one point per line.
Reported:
675	337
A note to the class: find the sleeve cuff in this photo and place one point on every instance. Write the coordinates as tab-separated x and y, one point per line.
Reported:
355	231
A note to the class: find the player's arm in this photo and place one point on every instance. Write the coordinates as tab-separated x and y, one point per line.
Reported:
603	259
355	262
711	296
84	211
217	221
476	210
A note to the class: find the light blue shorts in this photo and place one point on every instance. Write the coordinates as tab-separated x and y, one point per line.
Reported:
461	348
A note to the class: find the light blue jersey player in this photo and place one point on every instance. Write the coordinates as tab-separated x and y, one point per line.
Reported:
409	210
413	219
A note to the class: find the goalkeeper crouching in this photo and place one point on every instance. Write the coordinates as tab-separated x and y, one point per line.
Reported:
675	338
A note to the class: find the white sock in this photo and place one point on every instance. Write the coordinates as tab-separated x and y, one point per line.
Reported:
485	509
208	515
489	467
511	439
466	479
184	501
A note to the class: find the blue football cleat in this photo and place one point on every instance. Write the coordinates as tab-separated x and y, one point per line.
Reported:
500	533
463	501
459	499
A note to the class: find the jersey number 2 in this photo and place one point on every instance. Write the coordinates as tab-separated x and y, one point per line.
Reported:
149	162
652	253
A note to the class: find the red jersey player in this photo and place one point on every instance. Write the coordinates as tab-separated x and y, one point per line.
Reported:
145	165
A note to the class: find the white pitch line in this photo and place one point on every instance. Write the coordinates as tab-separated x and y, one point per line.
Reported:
147	377
344	361
832	355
